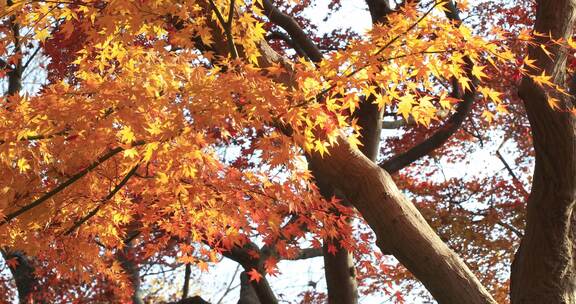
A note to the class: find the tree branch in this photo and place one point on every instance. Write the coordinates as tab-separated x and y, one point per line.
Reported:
103	201
308	253
9	217
187	273
15	75
284	37
293	29
437	139
242	257
227	25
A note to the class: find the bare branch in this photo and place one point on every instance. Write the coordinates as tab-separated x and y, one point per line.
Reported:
284	37
308	253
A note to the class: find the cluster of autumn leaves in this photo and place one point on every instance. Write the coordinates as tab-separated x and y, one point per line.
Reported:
148	131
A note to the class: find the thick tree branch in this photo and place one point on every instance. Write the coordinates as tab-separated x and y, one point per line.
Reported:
399	227
130	266
293	29
308	253
192	300
23	274
15	75
242	257
284	37
186	287
379	9
227	25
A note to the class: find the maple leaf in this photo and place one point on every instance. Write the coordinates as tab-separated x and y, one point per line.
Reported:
553	102
23	165
320	147
477	71
332	249
126	135
542	79
381	100
254	275
203	266
271	266
465	83
131	153
42	35
405	105
488	115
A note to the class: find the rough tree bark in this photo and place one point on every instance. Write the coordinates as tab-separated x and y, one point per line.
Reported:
247	293
261	289
543	269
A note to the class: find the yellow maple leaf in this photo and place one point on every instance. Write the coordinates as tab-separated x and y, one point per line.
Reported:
149	150
488	116
405	105
126	135
465	83
542	79
154	128
554	103
478	72
446	102
162	177
381	100
23	165
42	35
131	153
320	146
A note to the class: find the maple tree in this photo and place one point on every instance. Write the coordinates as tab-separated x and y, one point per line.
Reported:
179	132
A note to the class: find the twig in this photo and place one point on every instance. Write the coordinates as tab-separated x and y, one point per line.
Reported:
227	25
515	178
103	201
31	57
228	288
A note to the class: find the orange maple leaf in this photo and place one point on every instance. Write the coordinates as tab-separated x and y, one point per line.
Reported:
254	275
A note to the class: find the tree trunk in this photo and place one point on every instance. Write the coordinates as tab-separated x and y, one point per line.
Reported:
132	269
23	274
247	293
543	268
399	227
